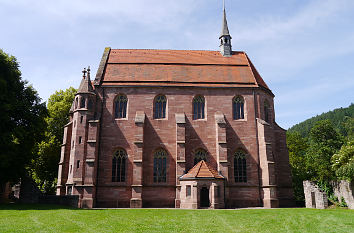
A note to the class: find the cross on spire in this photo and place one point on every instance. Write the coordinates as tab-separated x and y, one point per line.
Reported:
88	72
86	85
84	73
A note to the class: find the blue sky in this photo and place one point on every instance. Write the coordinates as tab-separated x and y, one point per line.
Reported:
304	50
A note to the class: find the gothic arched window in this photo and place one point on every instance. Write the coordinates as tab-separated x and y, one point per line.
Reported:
238	108
82	102
118	165
160	161
266	111
120	106
240	168
200	155
198	107
160	107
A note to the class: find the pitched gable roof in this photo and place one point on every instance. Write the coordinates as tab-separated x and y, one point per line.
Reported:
202	170
150	67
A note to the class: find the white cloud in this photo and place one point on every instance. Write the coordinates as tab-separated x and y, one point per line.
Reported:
284	45
315	14
152	12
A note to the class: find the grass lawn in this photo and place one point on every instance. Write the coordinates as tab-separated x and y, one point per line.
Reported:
49	218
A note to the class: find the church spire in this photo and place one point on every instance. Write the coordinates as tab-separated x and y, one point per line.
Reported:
225	38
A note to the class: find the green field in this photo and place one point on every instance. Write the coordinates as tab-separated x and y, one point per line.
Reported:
48	218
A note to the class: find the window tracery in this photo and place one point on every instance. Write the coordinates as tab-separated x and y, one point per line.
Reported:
200	155
118	165
240	166
238	108
160	107
198	107
120	106
160	163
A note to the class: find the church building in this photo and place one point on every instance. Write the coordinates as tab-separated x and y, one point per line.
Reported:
177	129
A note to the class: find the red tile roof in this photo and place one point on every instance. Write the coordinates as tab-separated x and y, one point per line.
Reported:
202	170
197	57
144	67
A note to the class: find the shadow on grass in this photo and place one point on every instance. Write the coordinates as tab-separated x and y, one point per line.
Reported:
18	206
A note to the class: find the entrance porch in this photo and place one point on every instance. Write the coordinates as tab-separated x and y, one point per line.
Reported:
202	187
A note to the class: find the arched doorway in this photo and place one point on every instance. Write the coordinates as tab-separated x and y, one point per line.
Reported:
204	197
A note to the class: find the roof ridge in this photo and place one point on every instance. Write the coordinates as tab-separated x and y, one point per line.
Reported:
181	50
201	163
249	67
194	166
257	77
209	169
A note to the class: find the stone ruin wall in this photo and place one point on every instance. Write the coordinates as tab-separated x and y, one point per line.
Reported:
344	189
314	196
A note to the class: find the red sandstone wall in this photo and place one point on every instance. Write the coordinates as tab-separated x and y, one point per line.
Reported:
283	172
161	133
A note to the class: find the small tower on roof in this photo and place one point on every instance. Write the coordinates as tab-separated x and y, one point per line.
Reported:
85	85
84	97
225	38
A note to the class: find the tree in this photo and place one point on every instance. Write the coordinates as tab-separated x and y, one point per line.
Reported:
59	105
324	143
343	162
21	120
297	147
348	128
45	165
314	150
338	118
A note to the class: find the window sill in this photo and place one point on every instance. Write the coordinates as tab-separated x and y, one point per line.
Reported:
160	185
121	119
161	119
204	119
241	184
116	184
239	120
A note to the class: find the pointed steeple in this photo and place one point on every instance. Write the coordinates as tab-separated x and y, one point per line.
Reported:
225	28
225	38
85	85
